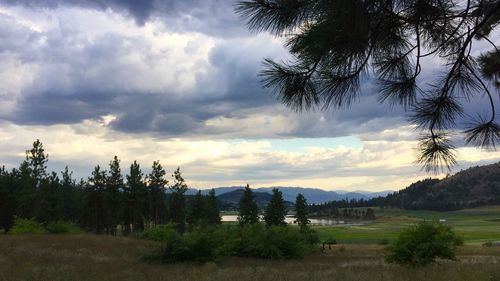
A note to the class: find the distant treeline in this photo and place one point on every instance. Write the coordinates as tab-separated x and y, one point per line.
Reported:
477	186
105	203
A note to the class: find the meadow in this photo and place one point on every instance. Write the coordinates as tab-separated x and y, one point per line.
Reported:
91	257
356	257
476	226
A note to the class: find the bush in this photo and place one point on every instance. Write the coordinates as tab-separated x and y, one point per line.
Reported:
421	244
63	227
27	226
160	233
384	241
254	240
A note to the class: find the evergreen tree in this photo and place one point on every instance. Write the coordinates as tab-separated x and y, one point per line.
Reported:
334	45
248	212
112	197
135	193
156	194
95	215
8	200
275	213
37	160
212	209
177	210
301	212
197	210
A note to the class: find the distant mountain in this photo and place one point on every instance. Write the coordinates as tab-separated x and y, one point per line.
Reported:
313	195
473	187
231	199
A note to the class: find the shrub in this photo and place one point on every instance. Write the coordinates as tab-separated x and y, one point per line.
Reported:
422	243
384	241
160	233
27	226
63	227
198	246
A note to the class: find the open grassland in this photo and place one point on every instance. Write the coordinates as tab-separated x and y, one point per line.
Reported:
475	226
89	257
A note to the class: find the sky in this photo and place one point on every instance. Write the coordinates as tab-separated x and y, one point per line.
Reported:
176	81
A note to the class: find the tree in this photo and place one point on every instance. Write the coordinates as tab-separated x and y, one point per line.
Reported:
112	200
197	210
95	216
275	213
212	210
177	208
136	199
156	193
248	212
337	44
37	160
422	243
301	212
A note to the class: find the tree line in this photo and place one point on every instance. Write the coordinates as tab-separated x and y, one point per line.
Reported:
109	203
104	203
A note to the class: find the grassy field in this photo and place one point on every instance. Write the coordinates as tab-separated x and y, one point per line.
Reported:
475	226
89	257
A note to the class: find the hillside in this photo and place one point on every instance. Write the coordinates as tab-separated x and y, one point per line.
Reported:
477	186
230	200
313	195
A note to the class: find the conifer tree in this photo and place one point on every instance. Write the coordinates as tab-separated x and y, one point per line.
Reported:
37	160
197	210
212	209
275	212
248	212
112	196
135	194
177	208
156	194
301	212
95	215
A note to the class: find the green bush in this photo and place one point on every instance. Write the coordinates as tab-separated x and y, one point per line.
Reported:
63	227
254	240
422	243
160	233
384	241
27	226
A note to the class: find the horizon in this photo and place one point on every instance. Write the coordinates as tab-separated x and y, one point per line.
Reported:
178	83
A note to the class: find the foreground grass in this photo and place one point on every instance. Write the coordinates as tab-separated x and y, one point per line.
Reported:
475	226
89	257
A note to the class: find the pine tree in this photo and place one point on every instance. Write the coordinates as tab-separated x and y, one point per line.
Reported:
37	160
135	193
301	212
156	194
212	209
248	212
275	213
335	45
95	215
177	208
112	197
197	211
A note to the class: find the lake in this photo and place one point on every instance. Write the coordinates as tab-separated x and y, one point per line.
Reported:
290	220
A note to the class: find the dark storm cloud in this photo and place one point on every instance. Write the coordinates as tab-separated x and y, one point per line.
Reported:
212	17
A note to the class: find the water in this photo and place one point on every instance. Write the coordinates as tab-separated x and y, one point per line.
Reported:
290	220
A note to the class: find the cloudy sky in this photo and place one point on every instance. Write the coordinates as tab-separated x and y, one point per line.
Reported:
177	81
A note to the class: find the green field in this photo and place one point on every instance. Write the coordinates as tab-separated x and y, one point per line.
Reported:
475	226
103	258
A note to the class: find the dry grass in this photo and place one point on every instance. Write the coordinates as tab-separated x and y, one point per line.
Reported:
88	257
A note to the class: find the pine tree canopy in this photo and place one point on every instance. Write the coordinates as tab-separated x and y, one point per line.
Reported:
336	44
276	211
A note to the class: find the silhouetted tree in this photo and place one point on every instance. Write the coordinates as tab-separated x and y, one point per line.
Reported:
212	210
156	192
112	196
275	212
197	211
248	212
136	196
177	207
95	215
301	212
